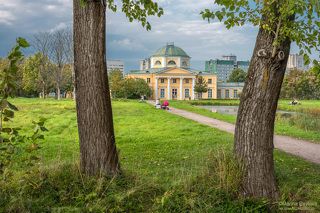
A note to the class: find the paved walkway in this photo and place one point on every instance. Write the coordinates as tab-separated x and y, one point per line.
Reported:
304	149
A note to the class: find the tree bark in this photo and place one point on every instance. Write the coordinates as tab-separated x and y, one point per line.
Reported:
255	122
98	153
58	93
43	90
73	83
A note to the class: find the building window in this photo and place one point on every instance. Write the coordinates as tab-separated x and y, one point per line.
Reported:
209	93
235	93
174	93
227	93
210	81
162	80
187	93
157	63
184	64
162	92
174	81
171	63
148	80
219	93
187	81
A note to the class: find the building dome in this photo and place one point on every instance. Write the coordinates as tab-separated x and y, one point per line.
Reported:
170	51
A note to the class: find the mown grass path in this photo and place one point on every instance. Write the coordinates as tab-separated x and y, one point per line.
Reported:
301	148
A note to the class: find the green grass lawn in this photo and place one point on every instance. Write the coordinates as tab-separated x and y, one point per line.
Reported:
283	127
167	152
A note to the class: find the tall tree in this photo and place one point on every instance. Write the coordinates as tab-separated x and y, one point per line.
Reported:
41	43
237	75
58	55
70	57
201	86
98	153
34	78
280	23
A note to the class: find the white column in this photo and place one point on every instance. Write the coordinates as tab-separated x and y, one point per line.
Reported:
164	64
181	82
192	89
156	88
169	96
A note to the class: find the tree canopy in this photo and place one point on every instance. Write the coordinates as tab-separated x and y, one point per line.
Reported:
237	75
301	84
298	20
121	87
134	9
201	86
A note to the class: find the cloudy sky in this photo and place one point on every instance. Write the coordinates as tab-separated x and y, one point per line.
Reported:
181	24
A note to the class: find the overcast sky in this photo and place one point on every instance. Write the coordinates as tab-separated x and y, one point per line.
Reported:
181	24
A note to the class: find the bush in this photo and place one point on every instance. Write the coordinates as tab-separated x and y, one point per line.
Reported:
131	88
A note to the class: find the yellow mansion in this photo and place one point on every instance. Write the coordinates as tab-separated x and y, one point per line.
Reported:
169	75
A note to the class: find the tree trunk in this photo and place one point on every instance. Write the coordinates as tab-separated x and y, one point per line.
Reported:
73	83
98	153
256	116
43	91
58	93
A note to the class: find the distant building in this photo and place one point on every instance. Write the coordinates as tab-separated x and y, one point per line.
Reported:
296	61
115	64
230	58
229	90
170	76
223	68
244	65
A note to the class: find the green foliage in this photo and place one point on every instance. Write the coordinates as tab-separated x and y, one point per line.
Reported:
238	75
8	79
121	87
201	86
31	74
10	138
301	85
134	9
296	20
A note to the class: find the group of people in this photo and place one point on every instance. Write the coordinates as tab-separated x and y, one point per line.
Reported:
164	105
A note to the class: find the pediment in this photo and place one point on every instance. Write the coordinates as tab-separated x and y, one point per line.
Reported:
176	71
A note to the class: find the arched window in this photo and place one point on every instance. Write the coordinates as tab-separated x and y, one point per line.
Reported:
184	64
157	63
171	63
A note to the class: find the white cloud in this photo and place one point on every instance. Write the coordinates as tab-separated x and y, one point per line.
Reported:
59	26
6	17
181	23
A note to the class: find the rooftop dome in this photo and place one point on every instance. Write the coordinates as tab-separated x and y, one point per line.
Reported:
170	50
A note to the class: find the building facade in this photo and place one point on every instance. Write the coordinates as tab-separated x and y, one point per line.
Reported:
229	90
115	64
296	61
223	68
169	75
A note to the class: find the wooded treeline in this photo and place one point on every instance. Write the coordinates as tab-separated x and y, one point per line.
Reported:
301	84
50	69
